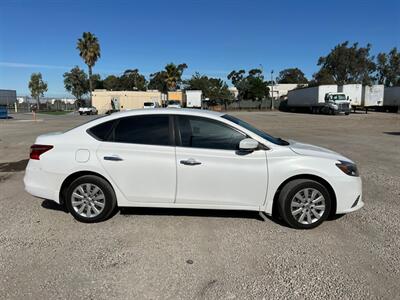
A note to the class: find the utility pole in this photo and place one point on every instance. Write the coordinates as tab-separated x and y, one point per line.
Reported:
272	89
262	74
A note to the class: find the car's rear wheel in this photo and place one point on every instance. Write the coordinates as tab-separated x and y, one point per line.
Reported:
304	203
90	199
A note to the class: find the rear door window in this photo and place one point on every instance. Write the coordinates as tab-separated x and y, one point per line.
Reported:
147	129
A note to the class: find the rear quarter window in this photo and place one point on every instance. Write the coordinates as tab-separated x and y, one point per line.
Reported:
102	131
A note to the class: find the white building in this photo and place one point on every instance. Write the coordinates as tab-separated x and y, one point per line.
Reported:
280	90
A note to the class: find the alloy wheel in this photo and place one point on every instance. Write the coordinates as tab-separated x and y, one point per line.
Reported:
88	200
308	206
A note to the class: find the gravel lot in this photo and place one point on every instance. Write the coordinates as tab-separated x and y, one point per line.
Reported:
190	254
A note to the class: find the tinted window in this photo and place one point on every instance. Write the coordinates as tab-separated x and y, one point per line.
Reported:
277	141
149	129
205	133
102	131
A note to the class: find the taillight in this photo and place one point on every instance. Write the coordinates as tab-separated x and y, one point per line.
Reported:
37	150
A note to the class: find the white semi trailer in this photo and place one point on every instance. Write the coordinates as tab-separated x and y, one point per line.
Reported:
372	96
354	94
194	98
391	99
319	99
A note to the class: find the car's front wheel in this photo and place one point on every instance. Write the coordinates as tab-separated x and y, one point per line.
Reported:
304	203
90	199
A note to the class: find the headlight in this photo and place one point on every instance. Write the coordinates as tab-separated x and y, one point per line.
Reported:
348	168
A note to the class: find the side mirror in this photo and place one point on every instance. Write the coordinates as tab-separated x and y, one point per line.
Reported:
248	145
348	97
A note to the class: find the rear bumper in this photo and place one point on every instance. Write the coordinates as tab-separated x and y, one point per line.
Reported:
40	183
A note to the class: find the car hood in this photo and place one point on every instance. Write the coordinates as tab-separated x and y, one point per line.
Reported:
316	151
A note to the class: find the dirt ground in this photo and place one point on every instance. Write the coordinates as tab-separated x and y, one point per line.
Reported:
194	254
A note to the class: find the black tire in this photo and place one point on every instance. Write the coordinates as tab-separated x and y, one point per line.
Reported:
110	201
287	194
347	113
81	113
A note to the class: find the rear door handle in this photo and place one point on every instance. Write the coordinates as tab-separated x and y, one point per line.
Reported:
112	158
190	162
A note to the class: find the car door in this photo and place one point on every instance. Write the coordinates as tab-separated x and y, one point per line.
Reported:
140	158
210	169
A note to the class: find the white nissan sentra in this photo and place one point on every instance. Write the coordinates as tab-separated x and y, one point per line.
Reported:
189	159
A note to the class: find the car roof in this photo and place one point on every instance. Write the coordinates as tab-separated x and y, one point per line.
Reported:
180	111
143	111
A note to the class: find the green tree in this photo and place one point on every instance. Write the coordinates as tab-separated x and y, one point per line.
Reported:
112	83
215	89
250	87
348	64
76	82
37	87
292	75
388	68
89	51
158	82
237	79
173	75
322	77
133	80
168	79
97	82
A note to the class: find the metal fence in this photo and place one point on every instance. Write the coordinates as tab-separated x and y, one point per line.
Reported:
264	104
27	107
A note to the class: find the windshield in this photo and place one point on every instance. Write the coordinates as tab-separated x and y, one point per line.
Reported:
339	97
266	136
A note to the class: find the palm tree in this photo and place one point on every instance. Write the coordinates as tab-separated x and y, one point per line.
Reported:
89	50
174	75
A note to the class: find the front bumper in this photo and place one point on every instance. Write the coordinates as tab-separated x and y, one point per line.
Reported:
348	189
343	108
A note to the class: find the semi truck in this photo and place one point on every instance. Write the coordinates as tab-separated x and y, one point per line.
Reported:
194	98
320	99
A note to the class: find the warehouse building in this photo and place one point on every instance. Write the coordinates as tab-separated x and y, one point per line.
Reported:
177	96
123	100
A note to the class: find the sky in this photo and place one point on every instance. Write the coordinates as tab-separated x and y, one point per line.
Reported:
212	37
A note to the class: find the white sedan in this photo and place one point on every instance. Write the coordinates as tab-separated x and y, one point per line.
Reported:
189	159
174	104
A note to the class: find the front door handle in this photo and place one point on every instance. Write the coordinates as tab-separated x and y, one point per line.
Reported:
112	158
190	162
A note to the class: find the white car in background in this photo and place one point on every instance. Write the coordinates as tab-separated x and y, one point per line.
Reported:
189	159
90	110
147	105
174	104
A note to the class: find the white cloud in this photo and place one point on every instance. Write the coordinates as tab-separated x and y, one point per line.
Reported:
25	65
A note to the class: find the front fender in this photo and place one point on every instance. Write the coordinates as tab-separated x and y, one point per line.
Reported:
282	168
